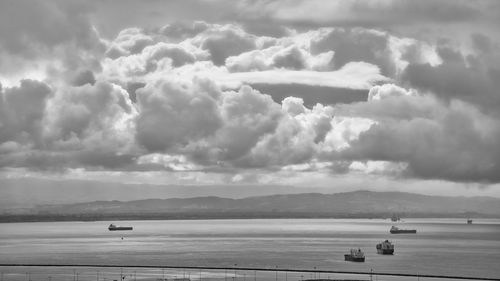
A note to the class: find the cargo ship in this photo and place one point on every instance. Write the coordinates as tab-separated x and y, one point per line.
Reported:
396	230
355	255
385	248
113	227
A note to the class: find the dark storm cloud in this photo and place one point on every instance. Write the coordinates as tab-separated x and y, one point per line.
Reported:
357	45
27	25
381	13
21	112
437	139
49	38
450	149
83	77
474	77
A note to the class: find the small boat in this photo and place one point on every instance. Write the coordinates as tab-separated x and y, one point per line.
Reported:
113	227
469	221
385	248
396	230
355	255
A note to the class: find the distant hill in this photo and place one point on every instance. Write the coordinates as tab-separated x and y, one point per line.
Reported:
349	204
29	192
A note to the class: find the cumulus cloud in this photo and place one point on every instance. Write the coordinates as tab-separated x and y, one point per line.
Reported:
454	141
88	125
215	97
129	42
39	39
473	77
21	111
174	113
200	121
385	91
91	111
224	41
288	57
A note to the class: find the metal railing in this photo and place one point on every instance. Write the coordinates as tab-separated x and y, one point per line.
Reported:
316	277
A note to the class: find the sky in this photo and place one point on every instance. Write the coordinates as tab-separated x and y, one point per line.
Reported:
328	96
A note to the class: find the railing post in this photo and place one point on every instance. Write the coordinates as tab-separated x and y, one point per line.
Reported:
235	265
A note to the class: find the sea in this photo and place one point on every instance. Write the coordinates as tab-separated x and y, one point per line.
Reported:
440	247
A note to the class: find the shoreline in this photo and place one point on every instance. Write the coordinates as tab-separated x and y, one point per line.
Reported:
14	218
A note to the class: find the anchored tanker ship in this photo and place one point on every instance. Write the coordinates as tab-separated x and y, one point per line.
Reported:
113	227
396	230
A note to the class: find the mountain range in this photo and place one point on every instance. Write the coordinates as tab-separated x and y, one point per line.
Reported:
349	204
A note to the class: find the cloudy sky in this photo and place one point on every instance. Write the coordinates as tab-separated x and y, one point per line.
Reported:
318	95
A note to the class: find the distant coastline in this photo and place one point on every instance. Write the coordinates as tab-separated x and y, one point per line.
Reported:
358	204
8	218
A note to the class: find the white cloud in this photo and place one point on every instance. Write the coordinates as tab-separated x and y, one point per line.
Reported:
175	112
193	105
385	91
354	75
129	42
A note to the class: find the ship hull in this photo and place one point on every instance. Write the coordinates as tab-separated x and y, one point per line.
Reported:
385	251
403	231
354	259
120	228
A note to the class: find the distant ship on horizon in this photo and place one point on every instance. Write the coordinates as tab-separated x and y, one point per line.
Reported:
396	230
469	221
113	227
395	218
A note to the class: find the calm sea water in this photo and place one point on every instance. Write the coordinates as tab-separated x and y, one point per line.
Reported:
441	246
